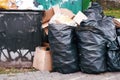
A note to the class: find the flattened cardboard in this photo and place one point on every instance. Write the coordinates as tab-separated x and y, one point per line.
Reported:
79	17
67	12
48	15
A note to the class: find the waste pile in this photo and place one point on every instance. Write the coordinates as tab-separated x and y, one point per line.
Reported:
88	42
96	37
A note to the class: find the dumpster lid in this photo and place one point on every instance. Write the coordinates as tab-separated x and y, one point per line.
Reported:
22	11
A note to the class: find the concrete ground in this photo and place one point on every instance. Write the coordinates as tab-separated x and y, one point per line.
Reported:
57	76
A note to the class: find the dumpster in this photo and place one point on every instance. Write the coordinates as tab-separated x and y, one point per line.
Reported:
85	4
73	5
20	33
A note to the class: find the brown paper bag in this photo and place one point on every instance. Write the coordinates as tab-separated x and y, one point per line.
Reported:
42	59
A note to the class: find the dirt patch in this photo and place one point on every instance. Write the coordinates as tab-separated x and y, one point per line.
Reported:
110	4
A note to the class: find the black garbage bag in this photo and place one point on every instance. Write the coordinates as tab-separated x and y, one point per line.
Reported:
118	40
113	53
92	44
113	56
107	26
105	23
63	48
112	45
118	31
95	36
113	60
92	50
96	9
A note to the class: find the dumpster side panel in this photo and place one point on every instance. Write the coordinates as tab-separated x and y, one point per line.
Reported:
19	35
85	4
73	5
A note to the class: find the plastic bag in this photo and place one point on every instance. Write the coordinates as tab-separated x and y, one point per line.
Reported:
118	40
113	60
91	41
92	50
104	23
63	48
96	9
27	4
108	28
118	32
113	56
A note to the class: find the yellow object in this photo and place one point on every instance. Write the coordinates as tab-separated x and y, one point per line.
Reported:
8	4
4	4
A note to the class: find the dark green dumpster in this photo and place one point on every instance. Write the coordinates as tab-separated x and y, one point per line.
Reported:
85	4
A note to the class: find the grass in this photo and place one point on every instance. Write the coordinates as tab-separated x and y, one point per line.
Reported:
14	70
113	12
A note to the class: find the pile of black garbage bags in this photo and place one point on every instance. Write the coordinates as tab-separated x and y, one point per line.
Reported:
93	47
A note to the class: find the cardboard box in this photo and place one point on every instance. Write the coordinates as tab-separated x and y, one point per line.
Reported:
79	17
46	44
46	30
67	12
62	19
48	15
62	16
44	25
56	9
42	59
63	11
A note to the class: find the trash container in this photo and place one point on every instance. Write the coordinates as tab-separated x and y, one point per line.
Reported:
20	33
73	5
85	4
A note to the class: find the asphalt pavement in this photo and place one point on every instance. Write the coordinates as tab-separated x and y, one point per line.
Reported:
38	75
